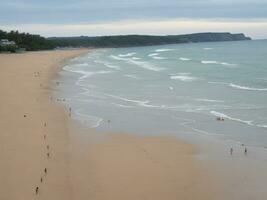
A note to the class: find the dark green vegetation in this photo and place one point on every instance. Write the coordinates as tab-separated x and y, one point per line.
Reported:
36	42
25	40
144	40
12	49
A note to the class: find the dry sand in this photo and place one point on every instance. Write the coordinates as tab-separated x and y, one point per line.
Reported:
82	164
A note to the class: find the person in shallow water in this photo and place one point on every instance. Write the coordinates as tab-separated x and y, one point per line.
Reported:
231	151
246	151
220	119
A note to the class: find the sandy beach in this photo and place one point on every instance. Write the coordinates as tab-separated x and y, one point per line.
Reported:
37	134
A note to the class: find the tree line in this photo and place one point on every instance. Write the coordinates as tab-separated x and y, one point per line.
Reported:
31	42
27	41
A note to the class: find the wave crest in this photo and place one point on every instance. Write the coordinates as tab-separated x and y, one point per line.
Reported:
246	88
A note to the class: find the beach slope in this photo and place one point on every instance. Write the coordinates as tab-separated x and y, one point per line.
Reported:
45	155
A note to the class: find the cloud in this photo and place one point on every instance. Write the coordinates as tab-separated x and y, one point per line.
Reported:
85	11
94	17
255	28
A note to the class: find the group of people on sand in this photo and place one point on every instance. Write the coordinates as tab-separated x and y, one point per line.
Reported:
37	188
232	151
220	119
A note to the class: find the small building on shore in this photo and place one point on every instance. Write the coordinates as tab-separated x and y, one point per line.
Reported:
6	42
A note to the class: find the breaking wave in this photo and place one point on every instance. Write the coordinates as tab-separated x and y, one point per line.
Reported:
127	54
163	50
144	65
218	114
184	59
246	88
185	77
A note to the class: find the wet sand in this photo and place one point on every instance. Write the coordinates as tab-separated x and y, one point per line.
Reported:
37	133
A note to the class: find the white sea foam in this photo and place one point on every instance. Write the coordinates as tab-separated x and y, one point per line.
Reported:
185	77
117	58
139	102
218	114
262	125
143	103
210	100
153	54
218	82
131	76
246	88
217	63
122	106
184	59
158	58
163	50
92	121
112	66
144	65
81	64
171	88
127	54
209	62
85	74
228	64
238	86
107	64
207	48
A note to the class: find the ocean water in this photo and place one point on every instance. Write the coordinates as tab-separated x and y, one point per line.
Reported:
173	89
181	90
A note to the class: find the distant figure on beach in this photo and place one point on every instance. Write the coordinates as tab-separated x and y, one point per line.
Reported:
48	155
45	124
246	151
36	190
70	111
231	151
47	147
45	171
220	119
41	179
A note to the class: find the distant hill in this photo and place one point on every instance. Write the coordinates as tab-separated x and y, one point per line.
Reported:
32	42
144	40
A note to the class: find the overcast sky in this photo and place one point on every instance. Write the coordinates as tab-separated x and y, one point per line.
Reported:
105	17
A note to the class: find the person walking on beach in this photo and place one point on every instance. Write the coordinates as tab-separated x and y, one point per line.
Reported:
231	151
36	190
246	151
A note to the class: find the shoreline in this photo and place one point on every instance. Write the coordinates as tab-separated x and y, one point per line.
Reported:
37	134
32	126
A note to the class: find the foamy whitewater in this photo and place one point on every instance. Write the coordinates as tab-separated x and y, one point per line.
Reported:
162	89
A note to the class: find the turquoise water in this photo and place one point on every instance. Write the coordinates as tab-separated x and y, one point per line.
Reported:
173	89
